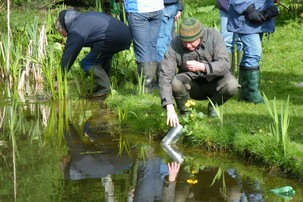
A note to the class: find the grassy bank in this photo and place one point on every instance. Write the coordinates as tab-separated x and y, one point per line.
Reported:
246	129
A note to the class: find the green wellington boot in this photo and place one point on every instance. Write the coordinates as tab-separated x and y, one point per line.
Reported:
249	79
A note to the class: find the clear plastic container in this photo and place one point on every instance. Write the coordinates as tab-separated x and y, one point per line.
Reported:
173	151
173	135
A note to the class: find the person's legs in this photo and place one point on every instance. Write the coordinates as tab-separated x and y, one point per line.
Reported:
165	34
181	86
145	30
227	36
139	26
218	90
155	19
227	87
89	61
100	65
252	50
249	76
230	39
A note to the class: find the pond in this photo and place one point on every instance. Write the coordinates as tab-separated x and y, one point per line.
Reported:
66	151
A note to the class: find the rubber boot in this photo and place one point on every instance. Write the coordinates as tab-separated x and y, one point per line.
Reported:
217	99
249	79
148	71
233	64
156	81
101	82
180	102
239	58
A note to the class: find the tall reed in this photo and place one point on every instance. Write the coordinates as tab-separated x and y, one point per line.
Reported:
279	127
141	84
219	111
123	145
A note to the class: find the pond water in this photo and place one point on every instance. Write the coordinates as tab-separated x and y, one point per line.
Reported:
65	151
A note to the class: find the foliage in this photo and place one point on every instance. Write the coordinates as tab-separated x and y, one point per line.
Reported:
245	130
279	127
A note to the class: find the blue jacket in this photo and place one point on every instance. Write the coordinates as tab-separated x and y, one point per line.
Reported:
99	31
170	2
223	5
237	21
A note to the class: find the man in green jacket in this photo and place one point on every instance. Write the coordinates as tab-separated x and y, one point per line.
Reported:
196	65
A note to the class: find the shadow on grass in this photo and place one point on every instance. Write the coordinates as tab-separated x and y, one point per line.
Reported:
280	85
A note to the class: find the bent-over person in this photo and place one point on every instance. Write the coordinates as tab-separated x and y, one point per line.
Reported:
104	35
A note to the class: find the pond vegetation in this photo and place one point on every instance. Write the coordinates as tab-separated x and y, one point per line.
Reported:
268	135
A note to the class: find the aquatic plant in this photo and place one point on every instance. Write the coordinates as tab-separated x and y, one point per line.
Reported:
220	175
124	145
122	115
279	127
141	84
219	111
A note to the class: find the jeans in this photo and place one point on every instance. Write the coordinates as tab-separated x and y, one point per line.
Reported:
145	29
93	58
231	39
252	50
165	34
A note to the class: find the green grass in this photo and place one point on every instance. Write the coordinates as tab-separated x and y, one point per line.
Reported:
246	128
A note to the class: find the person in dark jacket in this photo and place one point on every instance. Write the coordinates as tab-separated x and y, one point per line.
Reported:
105	36
203	66
250	19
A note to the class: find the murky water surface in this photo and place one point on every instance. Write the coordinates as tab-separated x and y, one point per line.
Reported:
66	152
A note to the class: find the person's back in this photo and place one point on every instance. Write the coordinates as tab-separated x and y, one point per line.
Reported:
96	27
105	36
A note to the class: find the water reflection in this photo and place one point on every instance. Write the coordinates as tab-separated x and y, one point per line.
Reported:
95	155
95	168
92	156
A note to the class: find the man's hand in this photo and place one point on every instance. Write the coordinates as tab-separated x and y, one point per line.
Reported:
195	66
171	116
173	170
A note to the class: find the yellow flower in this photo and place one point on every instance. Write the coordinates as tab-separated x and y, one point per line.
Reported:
192	115
192	103
192	181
